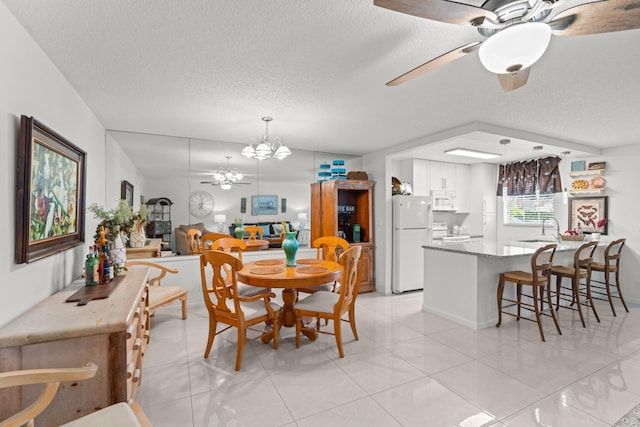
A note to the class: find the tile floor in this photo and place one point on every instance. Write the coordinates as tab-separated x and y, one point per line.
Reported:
409	368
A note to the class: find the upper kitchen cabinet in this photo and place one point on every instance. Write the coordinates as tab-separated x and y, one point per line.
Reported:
415	172
442	176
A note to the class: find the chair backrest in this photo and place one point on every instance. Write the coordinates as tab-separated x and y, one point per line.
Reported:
330	247
228	245
583	256
613	251
542	261
194	245
207	239
351	263
255	233
219	289
154	281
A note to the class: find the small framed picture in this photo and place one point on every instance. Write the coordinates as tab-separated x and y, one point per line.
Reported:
578	166
597	166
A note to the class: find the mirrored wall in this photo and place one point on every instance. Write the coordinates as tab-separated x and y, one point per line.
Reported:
177	168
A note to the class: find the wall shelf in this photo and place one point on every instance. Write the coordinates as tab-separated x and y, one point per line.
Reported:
587	191
576	174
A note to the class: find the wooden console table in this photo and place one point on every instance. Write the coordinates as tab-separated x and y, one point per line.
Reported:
112	333
149	250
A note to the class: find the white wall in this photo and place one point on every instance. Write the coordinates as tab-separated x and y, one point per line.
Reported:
120	167
31	85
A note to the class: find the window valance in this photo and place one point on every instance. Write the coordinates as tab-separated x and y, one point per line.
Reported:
522	178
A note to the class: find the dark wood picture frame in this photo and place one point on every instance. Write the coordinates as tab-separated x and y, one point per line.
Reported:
50	192
583	208
126	192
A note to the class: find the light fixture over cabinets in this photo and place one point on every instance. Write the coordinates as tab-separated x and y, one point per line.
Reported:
265	147
466	152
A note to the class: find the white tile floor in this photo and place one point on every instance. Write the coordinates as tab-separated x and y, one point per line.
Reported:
409	368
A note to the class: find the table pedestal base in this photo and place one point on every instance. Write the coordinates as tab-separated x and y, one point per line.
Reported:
287	317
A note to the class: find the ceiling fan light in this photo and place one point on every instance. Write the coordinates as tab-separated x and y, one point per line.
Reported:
515	48
263	150
225	186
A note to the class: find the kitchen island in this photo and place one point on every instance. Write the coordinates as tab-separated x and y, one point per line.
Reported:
461	279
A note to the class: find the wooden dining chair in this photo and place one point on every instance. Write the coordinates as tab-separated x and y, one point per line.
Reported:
538	280
162	296
328	248
194	245
255	233
580	269
207	239
226	305
611	265
120	414
235	247
333	305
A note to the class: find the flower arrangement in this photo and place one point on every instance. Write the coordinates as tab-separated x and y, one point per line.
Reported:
238	221
598	225
121	219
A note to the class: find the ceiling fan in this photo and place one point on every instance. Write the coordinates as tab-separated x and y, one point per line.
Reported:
517	32
225	178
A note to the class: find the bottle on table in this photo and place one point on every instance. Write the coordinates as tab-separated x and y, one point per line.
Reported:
91	266
105	266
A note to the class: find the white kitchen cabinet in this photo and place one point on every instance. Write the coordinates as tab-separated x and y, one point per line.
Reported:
442	176
420	169
463	188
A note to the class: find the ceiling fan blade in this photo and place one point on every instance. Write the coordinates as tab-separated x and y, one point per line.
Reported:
438	10
207	182
435	63
600	17
513	81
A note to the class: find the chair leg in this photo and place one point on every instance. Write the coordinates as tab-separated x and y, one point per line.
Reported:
553	313
241	339
575	286
337	326
276	329
537	311
298	321
352	322
184	307
620	291
500	291
607	285
519	298
213	324
589	297
558	288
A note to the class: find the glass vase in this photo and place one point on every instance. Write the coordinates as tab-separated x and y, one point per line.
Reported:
290	246
239	232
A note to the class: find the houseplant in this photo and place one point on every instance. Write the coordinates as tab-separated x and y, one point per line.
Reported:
117	224
598	227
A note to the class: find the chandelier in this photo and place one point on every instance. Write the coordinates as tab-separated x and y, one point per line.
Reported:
265	147
225	177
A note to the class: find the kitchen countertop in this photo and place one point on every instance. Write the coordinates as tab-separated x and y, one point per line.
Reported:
503	249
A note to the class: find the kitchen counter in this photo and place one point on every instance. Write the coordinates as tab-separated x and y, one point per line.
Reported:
461	279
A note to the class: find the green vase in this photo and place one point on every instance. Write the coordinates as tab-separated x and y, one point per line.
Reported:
290	246
239	232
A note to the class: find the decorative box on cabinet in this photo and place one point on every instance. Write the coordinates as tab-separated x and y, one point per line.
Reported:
111	332
336	206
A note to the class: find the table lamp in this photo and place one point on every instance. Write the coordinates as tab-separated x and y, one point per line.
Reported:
220	219
302	217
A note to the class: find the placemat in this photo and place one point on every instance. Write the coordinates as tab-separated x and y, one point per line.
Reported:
88	293
267	270
308	261
312	270
269	262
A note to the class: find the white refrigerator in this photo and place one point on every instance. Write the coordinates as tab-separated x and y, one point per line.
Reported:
411	229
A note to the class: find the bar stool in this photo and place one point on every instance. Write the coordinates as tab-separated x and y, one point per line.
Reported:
581	269
538	279
610	265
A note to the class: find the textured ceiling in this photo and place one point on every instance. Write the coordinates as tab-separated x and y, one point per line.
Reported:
211	69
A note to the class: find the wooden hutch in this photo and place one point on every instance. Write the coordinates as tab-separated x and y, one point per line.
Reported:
337	208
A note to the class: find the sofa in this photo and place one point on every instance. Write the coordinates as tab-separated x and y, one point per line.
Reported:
271	231
181	236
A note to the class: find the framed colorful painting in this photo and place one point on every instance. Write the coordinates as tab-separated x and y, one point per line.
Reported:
589	214
50	192
264	205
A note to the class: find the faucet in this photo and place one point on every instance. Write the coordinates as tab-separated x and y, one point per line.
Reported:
557	236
